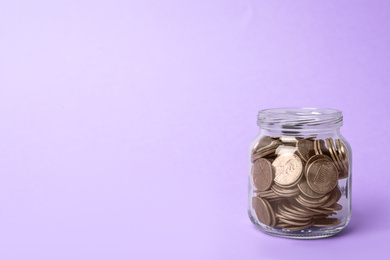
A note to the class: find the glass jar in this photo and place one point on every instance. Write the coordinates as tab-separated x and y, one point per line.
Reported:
300	173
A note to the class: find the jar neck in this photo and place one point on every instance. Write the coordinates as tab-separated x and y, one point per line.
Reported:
335	131
302	122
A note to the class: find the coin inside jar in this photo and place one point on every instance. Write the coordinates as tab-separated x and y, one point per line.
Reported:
288	169
333	154
326	222
262	174
305	149
284	192
342	152
264	148
335	195
306	190
266	140
312	159
284	178
322	175
262	210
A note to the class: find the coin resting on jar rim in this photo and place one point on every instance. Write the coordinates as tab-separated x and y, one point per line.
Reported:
300	178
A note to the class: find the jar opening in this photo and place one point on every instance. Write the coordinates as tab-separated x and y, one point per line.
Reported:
300	118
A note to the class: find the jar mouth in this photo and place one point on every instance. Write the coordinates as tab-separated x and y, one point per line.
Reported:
300	118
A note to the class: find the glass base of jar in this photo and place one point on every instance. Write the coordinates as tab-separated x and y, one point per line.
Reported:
306	233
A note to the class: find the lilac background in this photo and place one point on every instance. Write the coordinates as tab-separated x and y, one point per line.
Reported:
125	125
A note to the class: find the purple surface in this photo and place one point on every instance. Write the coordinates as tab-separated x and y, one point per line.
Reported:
125	125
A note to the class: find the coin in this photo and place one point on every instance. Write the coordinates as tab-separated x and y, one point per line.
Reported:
329	142
342	149
335	195
314	202
321	211
306	204
316	148
288	169
298	208
262	210
313	211
299	212
312	159
322	175
276	201
272	214
269	194
264	151
342	152
263	142
286	214
306	190
262	174
260	154
321	147
305	149
335	207
290	192
294	222
292	185
343	167
326	222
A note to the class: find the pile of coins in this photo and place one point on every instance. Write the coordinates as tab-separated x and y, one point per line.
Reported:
296	181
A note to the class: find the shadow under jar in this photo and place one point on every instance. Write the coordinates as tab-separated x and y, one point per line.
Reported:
300	173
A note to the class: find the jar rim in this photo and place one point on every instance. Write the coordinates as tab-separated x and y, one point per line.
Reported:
299	117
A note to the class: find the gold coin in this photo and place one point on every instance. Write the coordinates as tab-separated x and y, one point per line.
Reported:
288	169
